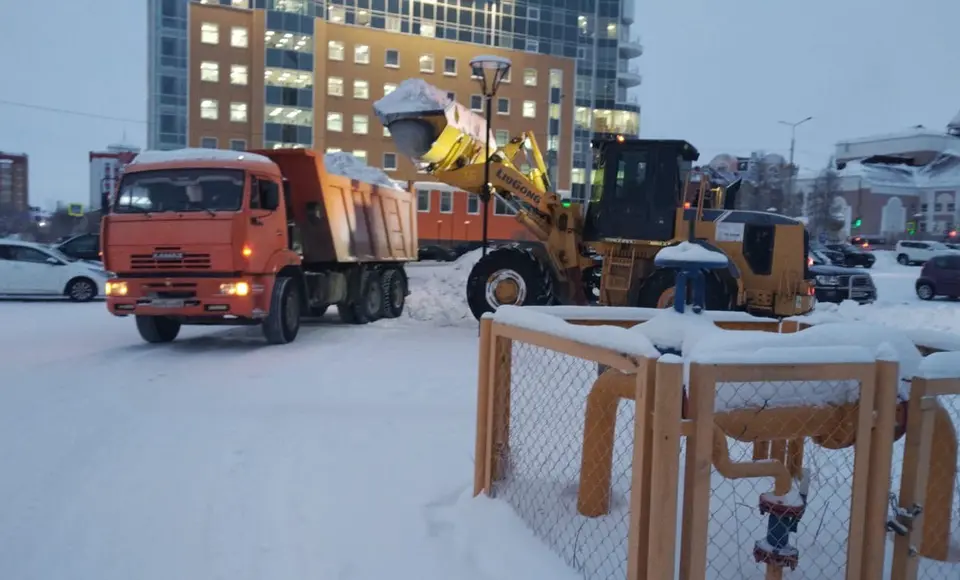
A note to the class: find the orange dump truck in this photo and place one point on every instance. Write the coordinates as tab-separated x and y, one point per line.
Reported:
204	236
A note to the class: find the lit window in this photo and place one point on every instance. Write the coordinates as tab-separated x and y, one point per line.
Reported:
450	66
386	132
240	3
238	112
238	144
388	88
361	54
446	201
208	142
503	106
476	103
553	143
335	86
335	122
389	161
335	50
209	109
428	29
361	89
283	77
338	14
529	77
361	124
360	154
334	150
611	30
209	33
238	74
392	58
578	175
554	111
556	78
393	24
426	63
363	17
529	109
239	37
502	136
209	72
288	41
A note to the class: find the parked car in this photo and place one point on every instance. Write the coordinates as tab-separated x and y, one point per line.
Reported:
437	253
940	276
853	255
909	252
838	283
836	258
28	269
82	247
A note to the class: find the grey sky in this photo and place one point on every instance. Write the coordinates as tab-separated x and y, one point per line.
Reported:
717	73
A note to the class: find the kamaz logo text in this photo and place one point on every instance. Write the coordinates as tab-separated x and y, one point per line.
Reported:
167	256
518	186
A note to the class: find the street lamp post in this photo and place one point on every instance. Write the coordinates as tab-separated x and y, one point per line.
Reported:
793	144
490	70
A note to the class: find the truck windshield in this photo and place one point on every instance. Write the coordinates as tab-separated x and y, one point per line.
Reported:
180	190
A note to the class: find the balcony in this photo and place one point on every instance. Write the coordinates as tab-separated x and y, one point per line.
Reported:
629	76
627	10
629	47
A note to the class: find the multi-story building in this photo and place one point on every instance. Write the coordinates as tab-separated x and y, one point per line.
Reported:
593	34
14	183
106	168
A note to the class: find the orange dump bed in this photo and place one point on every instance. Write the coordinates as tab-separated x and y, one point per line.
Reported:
343	219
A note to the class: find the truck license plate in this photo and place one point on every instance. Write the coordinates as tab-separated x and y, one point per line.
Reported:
166	303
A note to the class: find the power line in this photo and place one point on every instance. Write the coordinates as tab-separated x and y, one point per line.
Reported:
69	112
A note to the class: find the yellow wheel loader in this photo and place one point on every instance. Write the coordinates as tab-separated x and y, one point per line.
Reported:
646	195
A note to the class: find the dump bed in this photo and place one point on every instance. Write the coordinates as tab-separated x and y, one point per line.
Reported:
345	210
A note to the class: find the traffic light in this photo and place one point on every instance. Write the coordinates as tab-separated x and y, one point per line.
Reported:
911	228
857	222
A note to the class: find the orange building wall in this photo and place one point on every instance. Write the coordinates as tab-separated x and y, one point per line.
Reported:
450	229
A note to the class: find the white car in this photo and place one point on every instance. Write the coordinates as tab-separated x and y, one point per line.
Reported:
28	269
910	252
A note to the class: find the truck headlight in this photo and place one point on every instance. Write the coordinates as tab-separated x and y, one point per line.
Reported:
828	280
115	288
235	289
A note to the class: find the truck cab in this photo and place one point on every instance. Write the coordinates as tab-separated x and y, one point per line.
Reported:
222	237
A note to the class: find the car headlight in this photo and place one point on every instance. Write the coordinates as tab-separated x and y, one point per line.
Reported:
115	288
235	289
828	280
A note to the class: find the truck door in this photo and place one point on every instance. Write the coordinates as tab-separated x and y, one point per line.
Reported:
268	228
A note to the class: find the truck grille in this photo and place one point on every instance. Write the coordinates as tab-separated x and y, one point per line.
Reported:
170	258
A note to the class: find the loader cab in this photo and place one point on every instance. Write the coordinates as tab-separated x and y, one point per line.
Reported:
637	188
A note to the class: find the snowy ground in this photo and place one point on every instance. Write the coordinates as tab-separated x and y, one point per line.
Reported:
347	454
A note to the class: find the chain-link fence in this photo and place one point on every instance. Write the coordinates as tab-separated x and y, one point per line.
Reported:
798	436
543	479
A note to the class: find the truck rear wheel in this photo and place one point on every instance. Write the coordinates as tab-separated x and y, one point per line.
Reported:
282	324
158	329
367	306
394	287
509	275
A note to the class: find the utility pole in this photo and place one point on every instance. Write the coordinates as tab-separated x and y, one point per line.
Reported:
793	146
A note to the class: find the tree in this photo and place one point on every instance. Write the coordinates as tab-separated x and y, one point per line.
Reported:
824	210
764	184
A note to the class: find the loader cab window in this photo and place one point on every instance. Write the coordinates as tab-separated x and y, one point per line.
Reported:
758	248
181	191
631	174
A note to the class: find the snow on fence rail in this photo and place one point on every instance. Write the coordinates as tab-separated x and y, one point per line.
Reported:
737	443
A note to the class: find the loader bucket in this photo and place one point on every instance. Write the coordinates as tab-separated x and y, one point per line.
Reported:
427	126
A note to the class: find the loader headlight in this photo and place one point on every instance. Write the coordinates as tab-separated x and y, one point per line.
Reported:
828	280
235	289
115	288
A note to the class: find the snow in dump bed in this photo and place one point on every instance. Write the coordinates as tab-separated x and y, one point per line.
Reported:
940	365
690	252
609	337
197	154
347	165
411	96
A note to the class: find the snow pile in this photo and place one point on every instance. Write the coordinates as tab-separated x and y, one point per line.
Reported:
690	252
345	164
941	365
188	155
438	292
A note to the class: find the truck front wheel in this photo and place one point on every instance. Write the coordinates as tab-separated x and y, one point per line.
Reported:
158	329
282	324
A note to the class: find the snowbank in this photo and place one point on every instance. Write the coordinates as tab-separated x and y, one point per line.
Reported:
940	365
196	154
690	252
345	164
438	292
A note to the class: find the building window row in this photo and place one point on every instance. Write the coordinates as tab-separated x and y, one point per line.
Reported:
288	78
210	73
213	143
210	34
288	41
529	108
446	203
210	110
335	88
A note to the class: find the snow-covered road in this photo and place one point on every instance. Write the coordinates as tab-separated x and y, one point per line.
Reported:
343	455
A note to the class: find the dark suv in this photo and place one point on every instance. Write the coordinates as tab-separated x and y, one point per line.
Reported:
837	283
854	255
940	276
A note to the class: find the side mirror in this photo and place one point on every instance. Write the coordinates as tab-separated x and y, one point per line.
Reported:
269	196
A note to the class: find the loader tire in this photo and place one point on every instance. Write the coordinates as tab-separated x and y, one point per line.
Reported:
394	288
656	291
158	329
508	275
282	324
